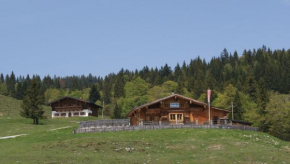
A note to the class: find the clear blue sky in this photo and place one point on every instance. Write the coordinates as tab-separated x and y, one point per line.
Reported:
71	37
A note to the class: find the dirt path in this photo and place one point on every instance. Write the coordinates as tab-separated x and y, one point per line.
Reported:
7	137
59	128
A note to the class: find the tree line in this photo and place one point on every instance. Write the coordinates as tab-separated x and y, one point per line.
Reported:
249	80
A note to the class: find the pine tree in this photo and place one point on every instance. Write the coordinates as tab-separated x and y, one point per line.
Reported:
107	90
238	111
262	96
152	77
157	80
180	85
209	80
117	111
31	105
2	78
166	73
251	87
10	83
94	94
19	91
224	56
198	88
177	72
119	85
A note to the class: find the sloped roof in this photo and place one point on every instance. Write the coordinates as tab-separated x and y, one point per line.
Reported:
171	96
52	102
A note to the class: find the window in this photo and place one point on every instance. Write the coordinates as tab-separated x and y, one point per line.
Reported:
83	113
166	105
182	105
63	114
76	114
172	117
56	114
179	117
176	117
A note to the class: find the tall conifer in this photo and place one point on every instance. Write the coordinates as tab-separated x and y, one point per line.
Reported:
1	78
94	94
32	103
117	111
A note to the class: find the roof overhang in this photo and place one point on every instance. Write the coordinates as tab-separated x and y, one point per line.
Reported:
69	97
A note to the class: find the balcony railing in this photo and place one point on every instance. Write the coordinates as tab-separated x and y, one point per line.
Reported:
68	108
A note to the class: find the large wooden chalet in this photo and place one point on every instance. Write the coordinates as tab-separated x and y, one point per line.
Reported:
177	109
73	107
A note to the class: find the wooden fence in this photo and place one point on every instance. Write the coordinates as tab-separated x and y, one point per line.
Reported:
95	129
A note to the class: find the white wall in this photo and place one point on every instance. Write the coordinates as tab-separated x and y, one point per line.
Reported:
86	111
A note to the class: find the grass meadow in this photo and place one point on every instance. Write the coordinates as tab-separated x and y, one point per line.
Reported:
44	145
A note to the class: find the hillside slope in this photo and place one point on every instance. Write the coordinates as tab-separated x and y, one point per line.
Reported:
152	146
10	107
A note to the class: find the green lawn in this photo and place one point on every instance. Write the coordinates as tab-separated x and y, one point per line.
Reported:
152	146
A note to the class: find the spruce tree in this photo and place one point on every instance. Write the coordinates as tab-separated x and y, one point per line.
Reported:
1	78
238	111
251	87
94	94
107	90
19	91
166	73
10	83
177	72
119	85
117	111
209	80
180	87
152	77
158	79
262	96
31	104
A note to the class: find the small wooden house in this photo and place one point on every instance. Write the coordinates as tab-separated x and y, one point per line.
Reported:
73	107
177	109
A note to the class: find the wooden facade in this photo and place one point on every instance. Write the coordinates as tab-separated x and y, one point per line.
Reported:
177	109
73	107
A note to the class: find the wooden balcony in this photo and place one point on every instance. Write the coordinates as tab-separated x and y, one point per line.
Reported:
68	108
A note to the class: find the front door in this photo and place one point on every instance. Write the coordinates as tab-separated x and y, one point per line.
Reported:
69	114
176	118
